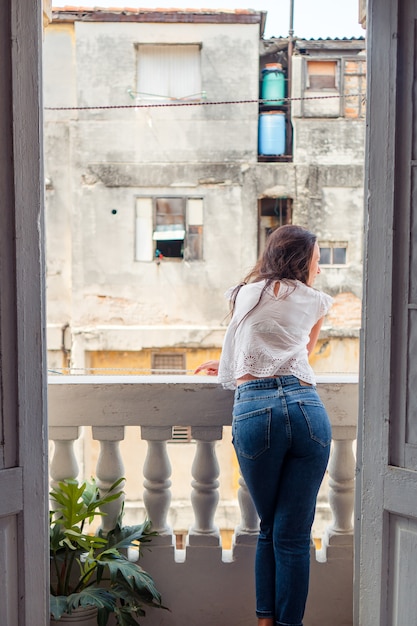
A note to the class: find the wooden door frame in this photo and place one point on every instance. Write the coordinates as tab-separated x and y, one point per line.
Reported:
378	365
24	540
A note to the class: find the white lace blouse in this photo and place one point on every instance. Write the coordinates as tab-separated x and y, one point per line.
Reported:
272	339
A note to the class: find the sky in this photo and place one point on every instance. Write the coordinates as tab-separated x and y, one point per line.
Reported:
312	18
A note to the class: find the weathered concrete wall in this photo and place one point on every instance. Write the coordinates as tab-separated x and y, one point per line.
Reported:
98	161
329	152
59	90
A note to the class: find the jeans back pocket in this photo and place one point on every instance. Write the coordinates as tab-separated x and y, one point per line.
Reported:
317	421
251	433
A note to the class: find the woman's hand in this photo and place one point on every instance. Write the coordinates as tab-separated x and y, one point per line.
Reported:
210	367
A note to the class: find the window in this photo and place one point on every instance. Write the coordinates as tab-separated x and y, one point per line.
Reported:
273	212
321	75
169	231
354	88
168	363
169	72
342	81
169	228
333	253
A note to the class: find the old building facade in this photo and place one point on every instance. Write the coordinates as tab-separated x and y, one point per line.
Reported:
157	197
160	194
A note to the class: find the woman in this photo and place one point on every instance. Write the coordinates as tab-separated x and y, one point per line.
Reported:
281	431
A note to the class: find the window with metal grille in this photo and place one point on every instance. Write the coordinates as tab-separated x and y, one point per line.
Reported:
168	363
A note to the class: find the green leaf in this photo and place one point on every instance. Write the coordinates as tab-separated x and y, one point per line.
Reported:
81	562
127	536
56	536
103	616
92	596
124	616
58	605
84	541
133	599
139	581
78	504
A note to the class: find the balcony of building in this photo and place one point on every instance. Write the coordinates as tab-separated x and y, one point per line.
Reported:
203	582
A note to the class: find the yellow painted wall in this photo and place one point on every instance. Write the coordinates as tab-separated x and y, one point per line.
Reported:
137	363
336	355
60	28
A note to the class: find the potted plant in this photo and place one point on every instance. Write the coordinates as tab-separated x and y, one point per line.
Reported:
92	572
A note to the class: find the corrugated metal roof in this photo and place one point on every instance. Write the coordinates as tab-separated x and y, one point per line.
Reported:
312	39
333	39
345	43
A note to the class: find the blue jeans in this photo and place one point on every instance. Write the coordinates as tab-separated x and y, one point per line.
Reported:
282	434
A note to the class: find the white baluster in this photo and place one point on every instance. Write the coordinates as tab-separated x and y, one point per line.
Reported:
64	463
109	469
342	486
205	493
157	472
248	529
339	534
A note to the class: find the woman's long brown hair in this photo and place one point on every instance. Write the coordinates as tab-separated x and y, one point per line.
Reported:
287	256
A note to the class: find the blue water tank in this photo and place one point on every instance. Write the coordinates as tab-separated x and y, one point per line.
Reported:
271	133
273	84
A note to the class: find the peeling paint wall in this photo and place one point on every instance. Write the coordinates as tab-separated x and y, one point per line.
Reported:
98	161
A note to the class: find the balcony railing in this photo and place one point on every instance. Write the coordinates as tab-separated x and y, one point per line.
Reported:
204	584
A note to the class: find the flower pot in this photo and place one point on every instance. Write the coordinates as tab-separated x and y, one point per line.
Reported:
83	616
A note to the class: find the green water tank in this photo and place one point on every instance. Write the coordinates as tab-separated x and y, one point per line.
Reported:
273	84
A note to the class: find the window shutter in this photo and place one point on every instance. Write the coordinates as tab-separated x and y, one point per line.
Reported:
144	228
322	75
169	72
194	244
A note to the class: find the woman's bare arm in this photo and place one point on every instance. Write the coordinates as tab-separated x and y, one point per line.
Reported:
211	367
314	335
